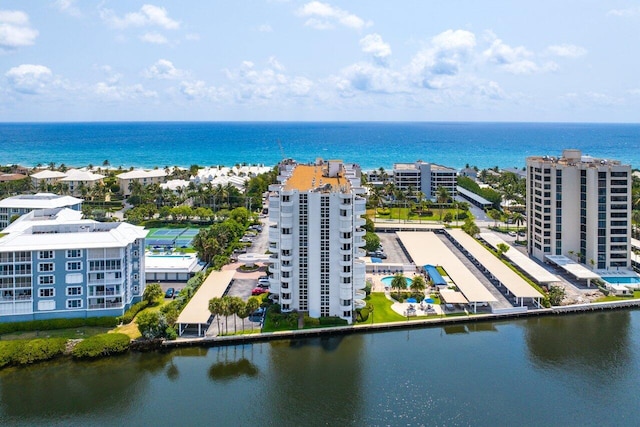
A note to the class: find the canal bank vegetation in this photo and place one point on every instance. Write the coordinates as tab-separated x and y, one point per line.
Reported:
101	345
26	352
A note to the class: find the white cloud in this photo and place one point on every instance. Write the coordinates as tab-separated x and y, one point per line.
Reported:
15	30
67	6
373	44
567	50
114	92
192	37
29	78
264	28
492	90
253	85
149	15
165	70
447	54
154	38
519	60
367	77
323	16
634	92
632	11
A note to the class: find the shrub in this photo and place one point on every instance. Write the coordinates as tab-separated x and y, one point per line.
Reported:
332	321
311	321
51	324
170	333
101	345
128	316
275	308
23	352
363	314
40	349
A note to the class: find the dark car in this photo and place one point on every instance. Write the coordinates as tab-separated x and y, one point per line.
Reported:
169	293
176	293
259	291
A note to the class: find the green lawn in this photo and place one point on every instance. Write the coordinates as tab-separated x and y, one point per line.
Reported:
382	311
636	294
406	214
70	333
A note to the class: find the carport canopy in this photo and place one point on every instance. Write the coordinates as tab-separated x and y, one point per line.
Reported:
197	313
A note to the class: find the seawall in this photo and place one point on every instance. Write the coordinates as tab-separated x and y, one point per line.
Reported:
409	324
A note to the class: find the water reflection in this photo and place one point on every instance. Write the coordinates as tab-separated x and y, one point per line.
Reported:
65	388
318	378
224	371
594	342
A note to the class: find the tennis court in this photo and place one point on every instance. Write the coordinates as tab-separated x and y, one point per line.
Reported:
171	237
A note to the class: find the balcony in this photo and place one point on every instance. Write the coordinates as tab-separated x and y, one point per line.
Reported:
359	294
359	304
346	291
286	242
286	268
360	232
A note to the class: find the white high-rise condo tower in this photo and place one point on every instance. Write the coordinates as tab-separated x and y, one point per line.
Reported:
579	206
316	238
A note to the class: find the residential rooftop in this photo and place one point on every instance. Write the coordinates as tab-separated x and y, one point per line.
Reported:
54	229
310	177
39	201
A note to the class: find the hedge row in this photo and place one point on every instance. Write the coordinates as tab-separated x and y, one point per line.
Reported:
101	345
332	321
47	325
128	316
24	352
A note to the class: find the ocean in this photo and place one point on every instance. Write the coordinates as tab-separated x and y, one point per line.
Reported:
371	144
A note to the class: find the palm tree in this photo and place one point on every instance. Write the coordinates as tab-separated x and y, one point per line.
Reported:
417	284
399	282
442	196
252	305
518	220
236	305
502	249
225	306
215	307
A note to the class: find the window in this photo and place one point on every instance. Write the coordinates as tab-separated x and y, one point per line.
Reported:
46	280
45	266
74	290
74	265
74	303
135	276
46	292
74	253
45	254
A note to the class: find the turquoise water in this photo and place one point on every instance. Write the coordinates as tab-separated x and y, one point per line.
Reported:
622	279
372	145
573	370
386	281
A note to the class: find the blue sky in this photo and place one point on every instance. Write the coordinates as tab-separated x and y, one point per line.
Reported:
549	61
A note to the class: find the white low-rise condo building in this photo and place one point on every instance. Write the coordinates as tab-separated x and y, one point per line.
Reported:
316	238
54	264
25	203
141	176
579	207
425	177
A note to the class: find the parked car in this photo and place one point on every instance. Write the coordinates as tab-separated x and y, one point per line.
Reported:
512	234
176	292
259	291
169	293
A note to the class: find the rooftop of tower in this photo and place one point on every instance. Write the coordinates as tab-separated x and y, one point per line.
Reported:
315	177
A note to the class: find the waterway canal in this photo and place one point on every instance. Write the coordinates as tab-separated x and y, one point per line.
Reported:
567	370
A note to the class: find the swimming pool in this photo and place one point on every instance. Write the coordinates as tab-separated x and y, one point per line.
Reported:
386	281
623	279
